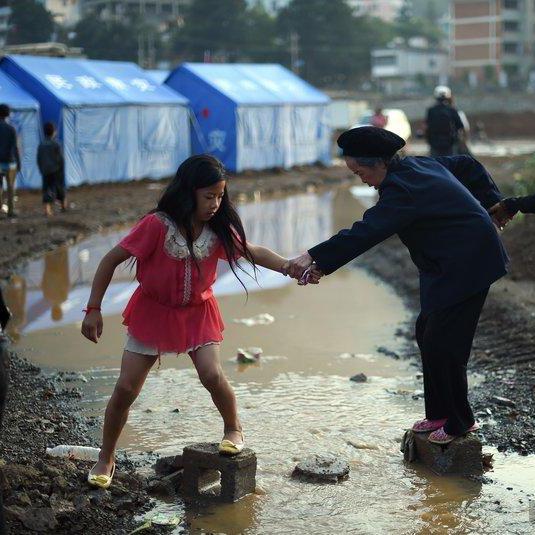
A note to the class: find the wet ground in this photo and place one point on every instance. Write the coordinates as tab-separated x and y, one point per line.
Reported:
298	399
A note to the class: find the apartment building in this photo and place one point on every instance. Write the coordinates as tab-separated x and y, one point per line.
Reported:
403	67
492	39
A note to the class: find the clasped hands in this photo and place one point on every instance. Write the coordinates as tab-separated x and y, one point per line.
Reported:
499	214
303	269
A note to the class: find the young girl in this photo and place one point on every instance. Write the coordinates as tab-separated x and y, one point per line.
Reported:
176	248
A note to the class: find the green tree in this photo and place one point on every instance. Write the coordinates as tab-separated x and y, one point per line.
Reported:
261	37
216	27
333	46
407	25
30	22
106	39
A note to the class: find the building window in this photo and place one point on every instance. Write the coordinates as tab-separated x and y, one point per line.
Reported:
385	61
510	48
511	26
510	4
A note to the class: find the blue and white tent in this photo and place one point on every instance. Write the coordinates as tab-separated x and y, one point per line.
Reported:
25	118
158	75
162	120
108	126
254	116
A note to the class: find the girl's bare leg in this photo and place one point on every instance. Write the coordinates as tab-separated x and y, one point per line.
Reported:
134	370
208	365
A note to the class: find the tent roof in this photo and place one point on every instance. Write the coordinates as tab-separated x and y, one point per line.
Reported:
82	81
256	83
67	79
15	96
160	75
133	83
284	83
230	81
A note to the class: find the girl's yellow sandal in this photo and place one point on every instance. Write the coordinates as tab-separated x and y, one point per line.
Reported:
102	481
227	447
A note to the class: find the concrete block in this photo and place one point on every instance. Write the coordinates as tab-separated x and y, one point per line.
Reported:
463	456
238	472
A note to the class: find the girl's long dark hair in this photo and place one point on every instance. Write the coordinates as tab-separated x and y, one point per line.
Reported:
178	202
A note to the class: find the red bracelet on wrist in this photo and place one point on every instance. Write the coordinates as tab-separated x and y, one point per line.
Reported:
88	309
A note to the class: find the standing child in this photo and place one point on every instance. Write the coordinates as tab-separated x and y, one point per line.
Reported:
51	165
176	247
9	159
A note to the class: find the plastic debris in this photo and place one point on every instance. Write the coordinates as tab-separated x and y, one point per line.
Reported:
362	445
249	355
158	519
259	319
83	453
165	519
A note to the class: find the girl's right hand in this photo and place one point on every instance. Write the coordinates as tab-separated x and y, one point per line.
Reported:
92	325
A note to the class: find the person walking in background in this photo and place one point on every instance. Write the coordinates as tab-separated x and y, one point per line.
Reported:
9	159
52	167
444	127
379	119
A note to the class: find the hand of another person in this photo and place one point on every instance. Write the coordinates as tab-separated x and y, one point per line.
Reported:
500	215
92	325
312	275
298	265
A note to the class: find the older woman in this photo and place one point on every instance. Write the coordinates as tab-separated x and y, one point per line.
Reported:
437	207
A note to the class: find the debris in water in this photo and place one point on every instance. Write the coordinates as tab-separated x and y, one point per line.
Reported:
401	392
362	445
162	519
249	355
326	468
359	378
259	319
387	352
158	519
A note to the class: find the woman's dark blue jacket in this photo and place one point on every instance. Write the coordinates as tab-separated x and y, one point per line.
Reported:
437	206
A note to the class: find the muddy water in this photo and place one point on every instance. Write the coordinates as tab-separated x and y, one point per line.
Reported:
296	401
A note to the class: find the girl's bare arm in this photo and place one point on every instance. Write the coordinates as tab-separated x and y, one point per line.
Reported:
92	324
267	258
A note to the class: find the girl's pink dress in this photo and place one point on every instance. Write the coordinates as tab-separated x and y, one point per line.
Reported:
173	309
